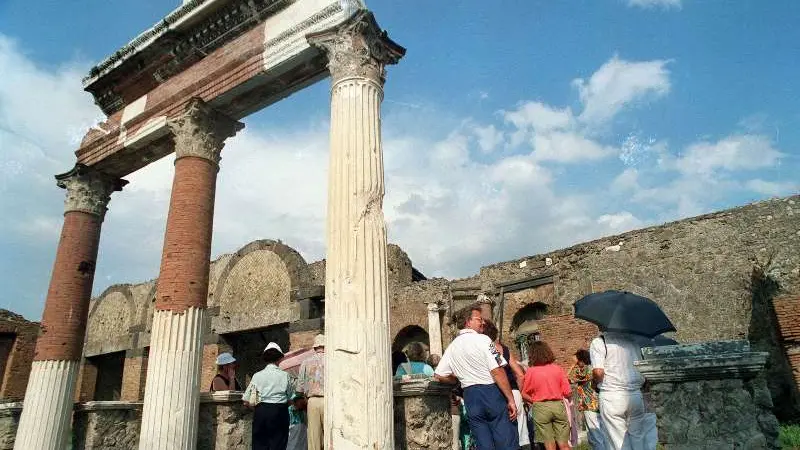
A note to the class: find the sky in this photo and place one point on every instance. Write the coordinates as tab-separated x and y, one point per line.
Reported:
510	129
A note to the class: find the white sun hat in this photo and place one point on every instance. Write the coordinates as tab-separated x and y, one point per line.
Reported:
274	346
225	358
319	341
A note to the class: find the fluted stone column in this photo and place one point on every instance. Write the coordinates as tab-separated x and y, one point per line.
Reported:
358	385
171	399
45	420
434	329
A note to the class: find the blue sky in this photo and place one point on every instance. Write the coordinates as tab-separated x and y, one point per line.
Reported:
508	130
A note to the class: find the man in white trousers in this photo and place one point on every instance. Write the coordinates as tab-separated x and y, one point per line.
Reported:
622	408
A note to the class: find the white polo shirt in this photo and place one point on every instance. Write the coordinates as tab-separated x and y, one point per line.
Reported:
470	357
616	357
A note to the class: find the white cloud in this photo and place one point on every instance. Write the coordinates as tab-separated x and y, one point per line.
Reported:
619	83
626	181
772	188
647	4
539	117
568	148
738	152
489	138
619	222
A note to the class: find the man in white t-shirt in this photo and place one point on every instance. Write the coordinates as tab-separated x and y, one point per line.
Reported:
622	408
473	360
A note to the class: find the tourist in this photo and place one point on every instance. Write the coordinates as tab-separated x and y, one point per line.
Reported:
398	358
225	379
415	352
433	360
622	409
473	360
581	376
311	383
269	392
298	423
545	388
515	375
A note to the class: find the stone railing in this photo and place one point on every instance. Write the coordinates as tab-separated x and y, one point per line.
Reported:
422	414
421	411
224	423
709	395
9	419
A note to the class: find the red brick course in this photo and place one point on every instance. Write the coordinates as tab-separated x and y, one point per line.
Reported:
133	379
14	380
224	69
565	334
302	339
787	311
87	381
183	281
67	305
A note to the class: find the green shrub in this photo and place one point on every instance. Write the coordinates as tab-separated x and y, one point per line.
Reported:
789	437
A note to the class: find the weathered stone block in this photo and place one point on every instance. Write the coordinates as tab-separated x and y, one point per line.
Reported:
422	415
9	419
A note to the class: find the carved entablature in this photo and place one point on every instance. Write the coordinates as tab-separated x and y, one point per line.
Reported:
169	47
201	131
88	190
358	48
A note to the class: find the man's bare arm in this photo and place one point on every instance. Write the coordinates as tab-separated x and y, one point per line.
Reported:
516	369
449	379
598	375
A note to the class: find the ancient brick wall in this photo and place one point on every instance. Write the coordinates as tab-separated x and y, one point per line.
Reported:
302	339
566	334
696	269
19	338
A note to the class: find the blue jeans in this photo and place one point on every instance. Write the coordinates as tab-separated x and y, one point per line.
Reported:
488	418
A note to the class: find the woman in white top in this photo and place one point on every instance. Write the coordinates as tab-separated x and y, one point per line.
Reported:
271	388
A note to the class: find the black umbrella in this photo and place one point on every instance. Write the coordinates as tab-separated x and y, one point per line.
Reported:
623	312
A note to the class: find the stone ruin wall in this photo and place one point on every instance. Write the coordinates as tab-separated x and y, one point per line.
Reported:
697	269
17	342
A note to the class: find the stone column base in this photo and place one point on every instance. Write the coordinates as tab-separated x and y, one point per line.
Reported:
47	409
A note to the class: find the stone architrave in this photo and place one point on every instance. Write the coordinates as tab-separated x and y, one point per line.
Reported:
171	400
434	329
45	420
358	392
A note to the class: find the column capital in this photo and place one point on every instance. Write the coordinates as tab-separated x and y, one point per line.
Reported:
433	306
484	299
201	131
88	190
358	48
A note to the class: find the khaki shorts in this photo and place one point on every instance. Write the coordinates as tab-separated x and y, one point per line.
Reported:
551	421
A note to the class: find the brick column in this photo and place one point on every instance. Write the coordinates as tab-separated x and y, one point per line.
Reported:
358	386
171	399
45	420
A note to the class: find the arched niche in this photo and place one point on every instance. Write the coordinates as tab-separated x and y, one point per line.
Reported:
525	324
255	288
409	334
110	318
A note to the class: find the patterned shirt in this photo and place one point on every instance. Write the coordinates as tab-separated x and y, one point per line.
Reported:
311	378
584	389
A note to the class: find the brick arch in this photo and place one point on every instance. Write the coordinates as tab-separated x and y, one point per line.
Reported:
531	311
146	318
111	317
257	286
409	334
